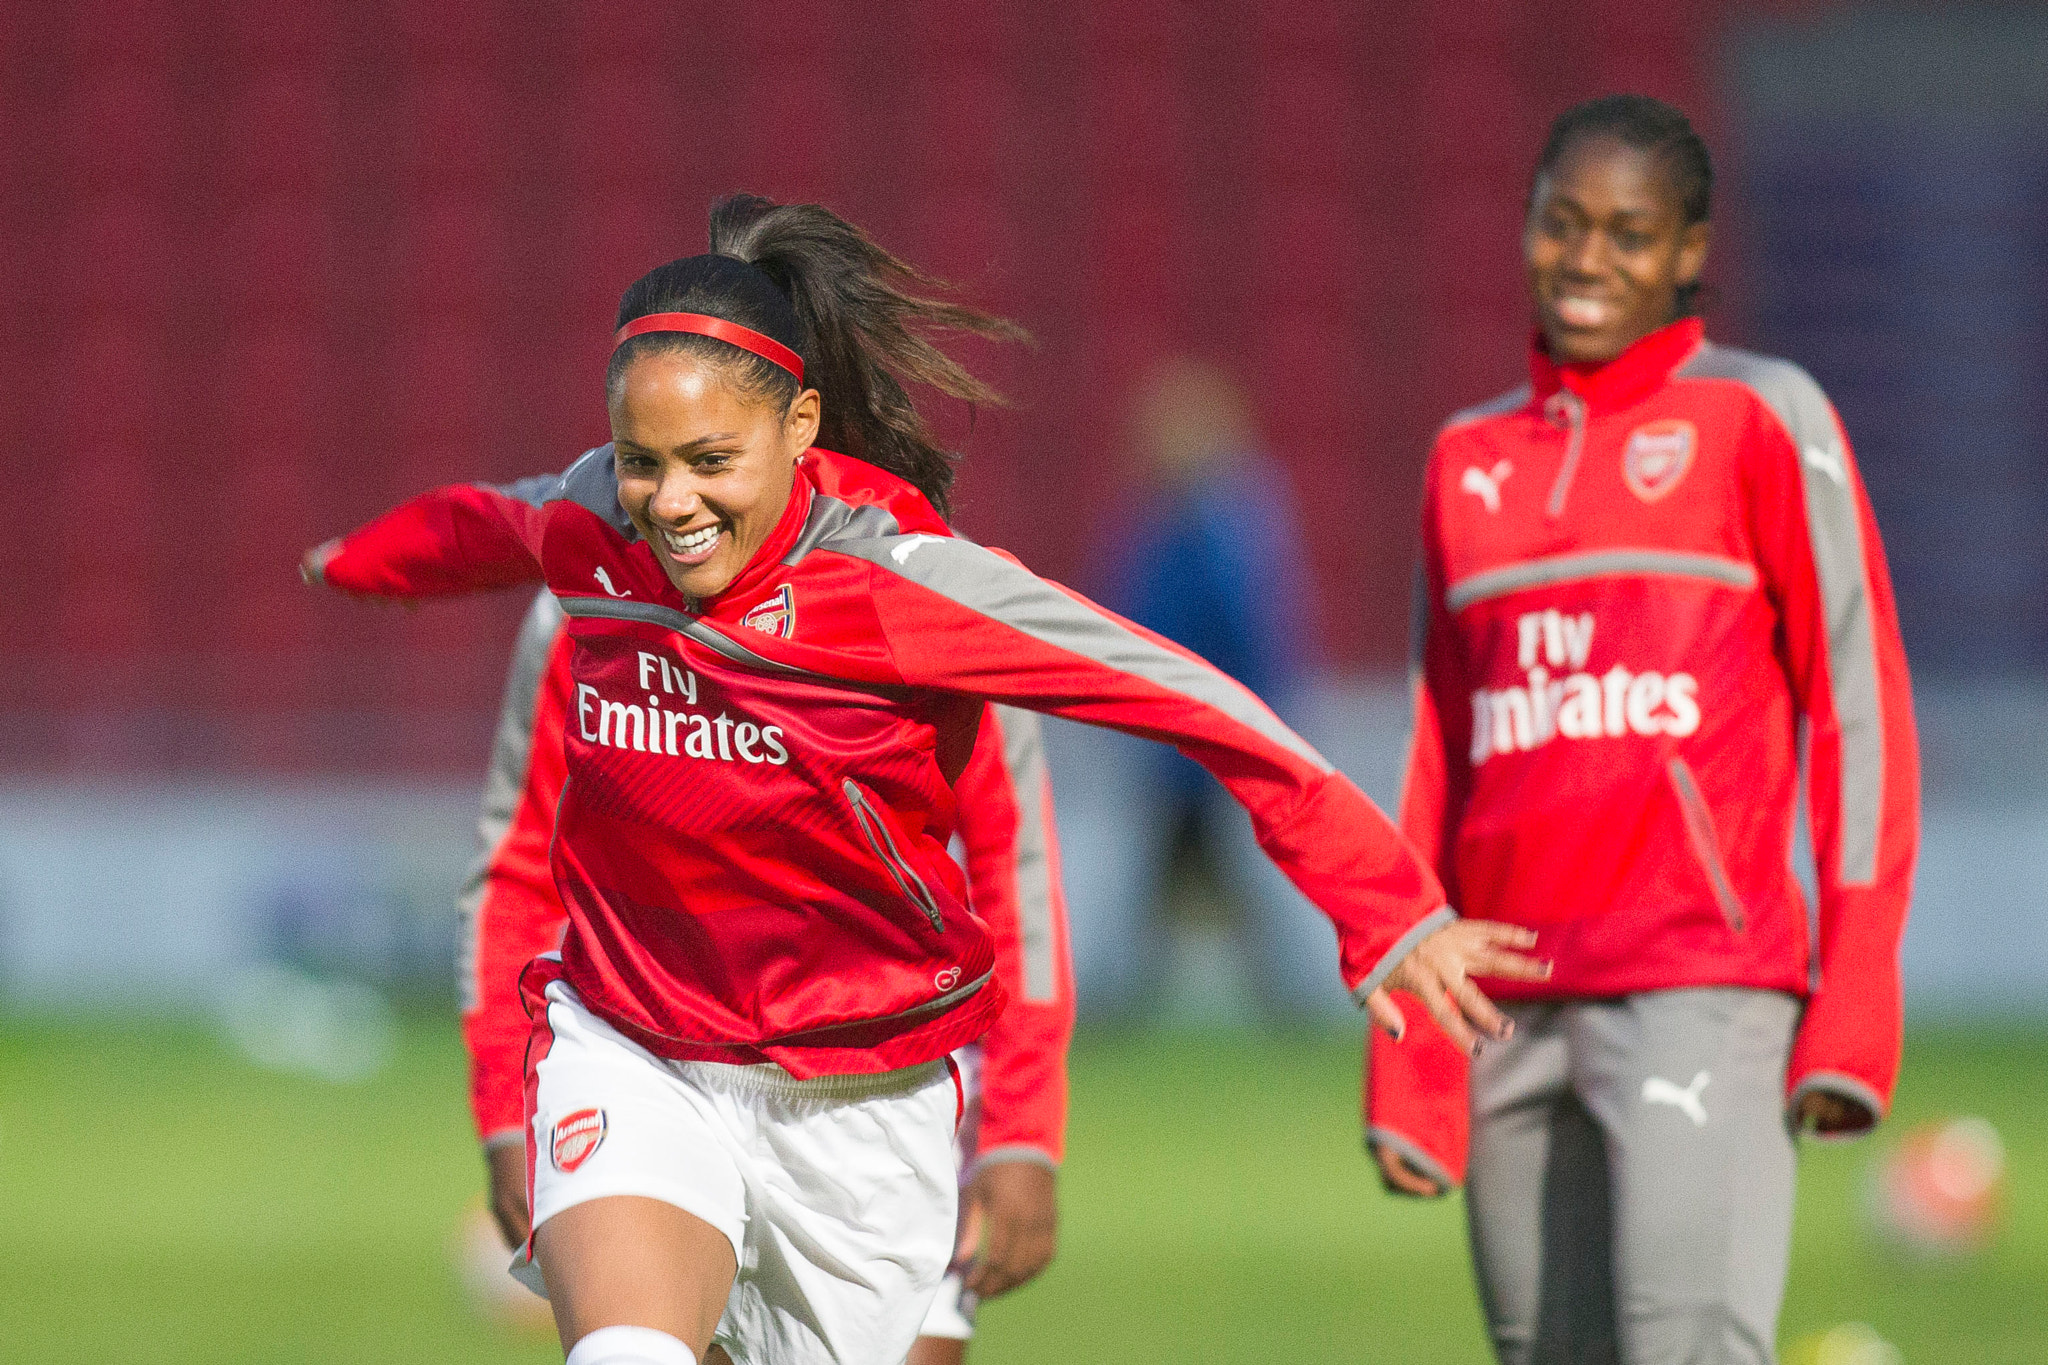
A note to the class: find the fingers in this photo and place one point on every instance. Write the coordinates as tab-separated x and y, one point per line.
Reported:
1402	1178
1449	1018
1490	948
1507	966
1012	1255
1476	1007
1386	1014
1495	933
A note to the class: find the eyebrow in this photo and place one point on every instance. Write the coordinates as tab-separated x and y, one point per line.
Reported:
688	447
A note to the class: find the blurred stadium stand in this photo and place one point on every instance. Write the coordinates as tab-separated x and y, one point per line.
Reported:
275	267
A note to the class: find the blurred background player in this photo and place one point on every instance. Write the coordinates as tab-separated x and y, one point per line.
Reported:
1210	556
1648	578
737	1054
1013	1136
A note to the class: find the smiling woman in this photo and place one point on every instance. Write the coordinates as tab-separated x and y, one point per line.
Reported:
1617	226
739	1098
1646	574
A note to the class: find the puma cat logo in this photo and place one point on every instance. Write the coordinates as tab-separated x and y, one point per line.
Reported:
1657	1090
1485	484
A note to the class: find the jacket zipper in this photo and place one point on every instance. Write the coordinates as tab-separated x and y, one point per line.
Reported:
1573	408
1706	845
884	844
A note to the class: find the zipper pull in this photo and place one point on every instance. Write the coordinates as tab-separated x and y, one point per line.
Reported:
1566	406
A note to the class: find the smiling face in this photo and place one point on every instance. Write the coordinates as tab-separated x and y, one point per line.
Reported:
1607	249
705	469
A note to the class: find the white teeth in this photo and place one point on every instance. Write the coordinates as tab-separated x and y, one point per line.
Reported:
1583	312
694	542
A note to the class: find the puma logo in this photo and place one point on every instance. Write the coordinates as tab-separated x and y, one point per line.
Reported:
604	581
1485	484
902	553
1657	1090
1828	463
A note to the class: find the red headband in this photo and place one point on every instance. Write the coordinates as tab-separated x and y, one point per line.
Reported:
703	325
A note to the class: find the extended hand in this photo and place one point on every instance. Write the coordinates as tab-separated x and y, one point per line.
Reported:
313	563
1018	1207
1439	971
313	572
1829	1115
1403	1178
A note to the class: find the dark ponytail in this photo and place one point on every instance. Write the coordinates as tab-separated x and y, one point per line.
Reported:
1649	125
814	282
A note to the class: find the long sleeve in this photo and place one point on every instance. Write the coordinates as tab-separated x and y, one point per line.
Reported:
1013	874
458	539
960	618
1825	570
1415	1089
511	910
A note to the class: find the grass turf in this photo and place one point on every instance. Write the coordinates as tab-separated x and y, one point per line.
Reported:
167	1202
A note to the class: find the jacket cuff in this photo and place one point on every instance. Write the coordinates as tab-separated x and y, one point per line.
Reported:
504	1137
1412	1153
1016	1151
1843	1086
1403	945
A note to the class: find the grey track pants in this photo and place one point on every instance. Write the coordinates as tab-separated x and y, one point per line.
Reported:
1631	1175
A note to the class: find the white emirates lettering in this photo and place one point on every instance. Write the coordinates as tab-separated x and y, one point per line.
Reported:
664	727
1563	698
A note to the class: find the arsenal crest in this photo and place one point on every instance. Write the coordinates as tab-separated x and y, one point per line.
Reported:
576	1136
776	616
1657	456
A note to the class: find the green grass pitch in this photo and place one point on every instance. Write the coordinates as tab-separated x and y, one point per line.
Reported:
166	1202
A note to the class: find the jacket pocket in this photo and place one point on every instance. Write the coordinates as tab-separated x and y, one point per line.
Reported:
884	845
1706	845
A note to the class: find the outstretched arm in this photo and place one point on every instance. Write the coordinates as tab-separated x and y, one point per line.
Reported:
463	538
965	619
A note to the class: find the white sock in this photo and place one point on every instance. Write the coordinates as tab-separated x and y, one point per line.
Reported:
630	1346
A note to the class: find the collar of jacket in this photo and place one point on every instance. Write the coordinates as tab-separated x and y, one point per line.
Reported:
769	557
1625	380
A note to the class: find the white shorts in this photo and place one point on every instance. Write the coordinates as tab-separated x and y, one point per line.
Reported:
839	1194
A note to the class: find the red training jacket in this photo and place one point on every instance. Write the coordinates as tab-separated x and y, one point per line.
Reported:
751	844
513	914
1641	583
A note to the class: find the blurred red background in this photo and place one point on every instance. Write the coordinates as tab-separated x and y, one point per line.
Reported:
275	267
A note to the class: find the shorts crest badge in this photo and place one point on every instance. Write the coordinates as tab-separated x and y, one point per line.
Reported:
576	1136
1657	456
776	616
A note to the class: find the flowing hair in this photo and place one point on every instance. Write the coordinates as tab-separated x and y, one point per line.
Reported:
863	320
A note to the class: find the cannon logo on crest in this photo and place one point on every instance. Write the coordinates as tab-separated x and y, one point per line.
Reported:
1657	456
576	1136
776	616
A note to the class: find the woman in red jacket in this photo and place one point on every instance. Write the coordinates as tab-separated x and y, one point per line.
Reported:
1015	1077
1648	577
737	1095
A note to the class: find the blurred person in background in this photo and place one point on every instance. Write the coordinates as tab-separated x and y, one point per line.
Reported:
1211	558
1013	1137
740	1057
1650	578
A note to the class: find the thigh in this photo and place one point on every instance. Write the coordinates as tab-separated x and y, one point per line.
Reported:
638	1202
1537	1202
629	1261
606	1118
1688	1087
853	1210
